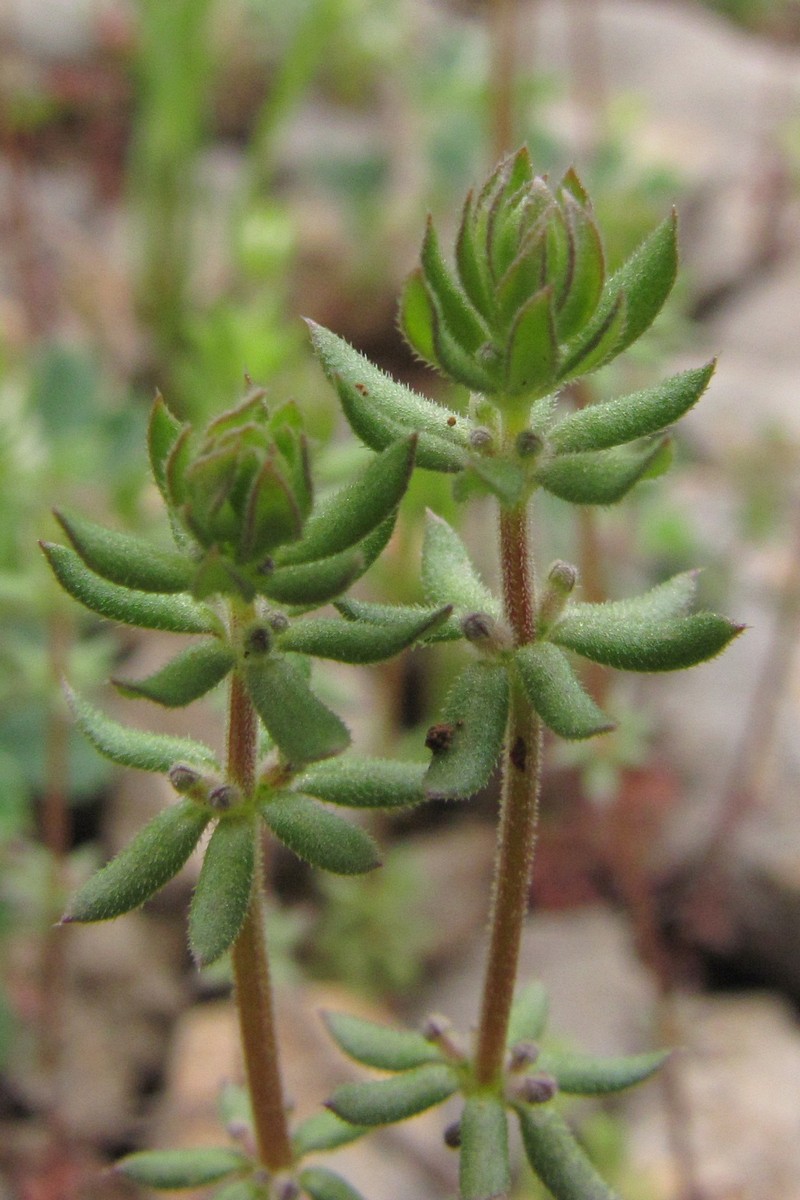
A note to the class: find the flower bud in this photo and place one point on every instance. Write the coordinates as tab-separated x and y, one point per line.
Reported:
522	1055
188	781
225	797
485	632
562	578
452	1135
536	1089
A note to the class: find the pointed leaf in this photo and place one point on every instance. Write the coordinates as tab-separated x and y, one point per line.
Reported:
448	575
454	308
318	836
303	728
532	355
385	1101
380	1046
136	747
381	410
555	693
599	341
397	614
358	641
187	677
646	280
585	1075
156	854
272	515
529	1014
673	598
124	559
473	369
613	422
526	275
471	264
314	583
668	645
364	782
587	272
484	1172
324	1131
147	610
321	1184
222	896
556	1157
416	316
354	511
467	743
168	1170
597	477
163	431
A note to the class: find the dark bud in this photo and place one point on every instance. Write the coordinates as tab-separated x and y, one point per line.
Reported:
452	1135
439	737
439	1030
266	567
258	640
481	438
224	797
287	1189
536	1089
522	1055
184	779
561	581
485	633
528	443
278	622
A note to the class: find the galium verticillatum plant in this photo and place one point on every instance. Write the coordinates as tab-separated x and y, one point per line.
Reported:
527	308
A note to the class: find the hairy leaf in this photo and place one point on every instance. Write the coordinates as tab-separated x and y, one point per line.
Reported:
613	422
555	693
221	898
136	747
597	343
314	583
417	316
672	598
147	610
467	742
385	1101
454	308
532	354
321	1184
529	1014
381	410
324	1131
364	782
585	278
187	677
358	641
668	645
556	1157
398	614
156	854
471	263
380	1046
302	727
163	431
586	1075
645	280
124	559
318	836
484	1172
597	477
448	575
170	1170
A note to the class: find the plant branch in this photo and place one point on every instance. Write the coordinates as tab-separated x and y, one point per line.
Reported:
518	816
251	964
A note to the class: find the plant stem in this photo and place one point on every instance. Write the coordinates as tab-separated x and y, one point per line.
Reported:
518	814
251	964
503	38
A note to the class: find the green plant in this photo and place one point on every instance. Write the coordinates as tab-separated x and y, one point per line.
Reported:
527	309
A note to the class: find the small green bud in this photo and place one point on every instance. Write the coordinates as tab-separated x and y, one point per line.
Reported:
562	578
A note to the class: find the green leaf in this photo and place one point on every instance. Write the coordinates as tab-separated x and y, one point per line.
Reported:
470	263
532	355
315	582
173	613
526	275
163	431
364	782
381	410
156	854
556	1157
385	1101
188	676
585	1075
324	1131
668	645
318	836
391	614
359	641
645	280
124	559
555	693
469	739
484	1172
448	576
321	1184
302	727
613	422
598	342
529	1014
355	511
454	308
416	316
673	598
587	271
597	477
170	1170
378	1045
136	747
222	896
471	369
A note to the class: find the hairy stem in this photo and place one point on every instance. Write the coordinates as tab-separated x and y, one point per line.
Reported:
251	964
518	815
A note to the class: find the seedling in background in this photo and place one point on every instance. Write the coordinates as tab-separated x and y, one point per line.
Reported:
527	308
